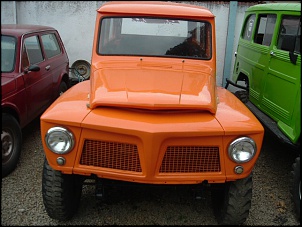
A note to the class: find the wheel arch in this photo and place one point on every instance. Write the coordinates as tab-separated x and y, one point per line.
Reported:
12	111
244	77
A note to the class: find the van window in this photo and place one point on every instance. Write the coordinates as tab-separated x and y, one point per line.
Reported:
265	29
289	34
248	27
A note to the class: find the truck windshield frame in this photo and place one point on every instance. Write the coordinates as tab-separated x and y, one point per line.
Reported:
160	37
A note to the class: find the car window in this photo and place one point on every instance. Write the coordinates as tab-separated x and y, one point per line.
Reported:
51	45
8	53
33	49
289	34
265	29
248	27
155	37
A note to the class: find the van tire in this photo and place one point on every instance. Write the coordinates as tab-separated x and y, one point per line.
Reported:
232	201
61	193
296	186
242	95
11	139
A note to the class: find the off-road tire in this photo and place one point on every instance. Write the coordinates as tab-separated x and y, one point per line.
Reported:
296	186
61	193
232	201
242	95
11	140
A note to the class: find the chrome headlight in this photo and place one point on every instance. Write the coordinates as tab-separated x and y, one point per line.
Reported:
59	140
242	149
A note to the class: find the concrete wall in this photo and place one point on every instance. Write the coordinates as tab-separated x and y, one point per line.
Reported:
75	21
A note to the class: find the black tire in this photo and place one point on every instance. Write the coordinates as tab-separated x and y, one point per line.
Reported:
242	95
11	139
62	88
296	186
232	201
61	193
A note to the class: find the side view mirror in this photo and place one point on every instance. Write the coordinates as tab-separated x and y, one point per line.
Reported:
293	57
288	44
33	68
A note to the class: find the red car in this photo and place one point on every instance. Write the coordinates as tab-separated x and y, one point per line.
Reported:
34	72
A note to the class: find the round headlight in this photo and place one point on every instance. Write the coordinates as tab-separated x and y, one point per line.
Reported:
59	140
242	149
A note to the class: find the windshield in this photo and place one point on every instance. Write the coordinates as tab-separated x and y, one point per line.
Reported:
8	53
155	37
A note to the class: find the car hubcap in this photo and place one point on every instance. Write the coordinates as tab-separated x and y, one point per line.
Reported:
7	145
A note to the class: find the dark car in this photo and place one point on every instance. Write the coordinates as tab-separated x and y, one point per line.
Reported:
34	72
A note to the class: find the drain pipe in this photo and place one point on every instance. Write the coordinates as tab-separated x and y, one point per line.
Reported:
229	42
15	12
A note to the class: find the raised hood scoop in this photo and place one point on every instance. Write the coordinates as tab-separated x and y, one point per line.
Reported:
162	88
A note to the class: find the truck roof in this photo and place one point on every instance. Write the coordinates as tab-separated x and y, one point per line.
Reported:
155	8
276	7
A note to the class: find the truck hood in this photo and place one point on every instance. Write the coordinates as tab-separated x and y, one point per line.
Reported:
149	87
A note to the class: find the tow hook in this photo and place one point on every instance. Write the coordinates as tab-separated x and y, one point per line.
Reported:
99	189
199	191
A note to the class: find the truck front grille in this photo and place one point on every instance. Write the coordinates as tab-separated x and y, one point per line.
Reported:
112	155
124	156
190	159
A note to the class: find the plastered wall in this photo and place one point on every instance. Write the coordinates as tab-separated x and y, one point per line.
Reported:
75	21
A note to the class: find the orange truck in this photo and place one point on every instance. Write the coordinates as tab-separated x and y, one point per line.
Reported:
151	113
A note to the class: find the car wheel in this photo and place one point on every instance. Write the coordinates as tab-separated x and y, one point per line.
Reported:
296	186
11	139
242	95
232	201
63	88
61	193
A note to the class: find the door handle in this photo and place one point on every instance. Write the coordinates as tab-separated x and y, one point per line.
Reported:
47	67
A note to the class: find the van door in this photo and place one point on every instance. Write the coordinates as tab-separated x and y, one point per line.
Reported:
283	79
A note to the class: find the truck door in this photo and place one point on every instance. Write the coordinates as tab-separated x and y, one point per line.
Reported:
283	80
265	24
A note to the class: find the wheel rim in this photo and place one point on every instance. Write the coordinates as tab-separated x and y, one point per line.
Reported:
7	145
82	67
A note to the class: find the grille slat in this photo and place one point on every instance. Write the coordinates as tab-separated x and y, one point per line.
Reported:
190	159
112	155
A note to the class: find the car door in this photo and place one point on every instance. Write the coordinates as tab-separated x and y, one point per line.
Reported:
38	84
56	58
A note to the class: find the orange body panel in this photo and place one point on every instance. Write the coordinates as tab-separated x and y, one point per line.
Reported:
152	132
152	119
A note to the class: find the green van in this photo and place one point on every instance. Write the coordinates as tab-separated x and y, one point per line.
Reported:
267	70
